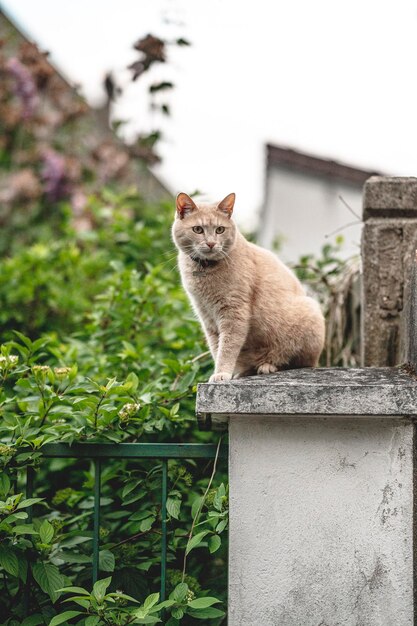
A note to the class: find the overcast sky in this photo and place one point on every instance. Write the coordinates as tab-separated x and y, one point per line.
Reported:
336	78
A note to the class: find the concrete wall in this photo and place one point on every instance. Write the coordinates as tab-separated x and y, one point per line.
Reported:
304	209
321	521
389	243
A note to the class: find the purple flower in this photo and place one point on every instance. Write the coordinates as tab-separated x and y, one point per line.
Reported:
54	176
25	87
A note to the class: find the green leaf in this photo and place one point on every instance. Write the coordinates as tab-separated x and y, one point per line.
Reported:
63	617
29	502
9	560
177	612
25	340
218	498
221	491
81	601
24	529
221	526
196	505
4	484
46	532
74	590
106	561
186	381
163	605
145	565
130	486
151	601
132	381
209	613
174	409
100	588
18	515
179	593
48	578
73	557
134	497
173	507
118	594
33	620
146	524
195	541
203	603
93	620
40	343
214	543
140	515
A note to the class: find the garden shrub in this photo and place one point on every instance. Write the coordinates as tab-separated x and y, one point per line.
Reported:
99	344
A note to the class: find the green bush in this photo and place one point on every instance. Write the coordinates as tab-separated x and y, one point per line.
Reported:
99	344
51	284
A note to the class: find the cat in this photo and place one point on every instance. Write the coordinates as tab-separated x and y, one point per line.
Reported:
254	312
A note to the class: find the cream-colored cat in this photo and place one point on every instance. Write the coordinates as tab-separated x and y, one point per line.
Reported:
254	311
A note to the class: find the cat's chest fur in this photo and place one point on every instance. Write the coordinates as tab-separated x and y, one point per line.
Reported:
211	289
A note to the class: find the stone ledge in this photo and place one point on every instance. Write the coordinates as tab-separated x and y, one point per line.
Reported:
361	392
390	197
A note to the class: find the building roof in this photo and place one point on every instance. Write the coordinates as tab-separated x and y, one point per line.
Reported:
294	160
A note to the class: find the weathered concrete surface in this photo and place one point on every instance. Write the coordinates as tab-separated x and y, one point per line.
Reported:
323	391
321	522
389	241
390	197
410	324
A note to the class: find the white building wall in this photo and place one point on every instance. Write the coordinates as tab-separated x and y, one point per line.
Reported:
303	209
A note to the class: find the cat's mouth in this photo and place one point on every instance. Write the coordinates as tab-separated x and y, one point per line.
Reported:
207	257
209	253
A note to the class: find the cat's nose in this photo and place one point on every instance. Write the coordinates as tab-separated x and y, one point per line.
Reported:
211	244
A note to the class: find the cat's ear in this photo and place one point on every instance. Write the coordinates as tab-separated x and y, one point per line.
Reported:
185	205
227	204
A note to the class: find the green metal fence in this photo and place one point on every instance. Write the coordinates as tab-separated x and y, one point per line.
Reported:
98	453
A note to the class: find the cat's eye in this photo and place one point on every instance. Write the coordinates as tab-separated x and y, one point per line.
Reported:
198	229
220	230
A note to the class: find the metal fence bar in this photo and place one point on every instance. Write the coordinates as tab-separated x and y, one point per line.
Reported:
133	450
96	518
164	496
99	451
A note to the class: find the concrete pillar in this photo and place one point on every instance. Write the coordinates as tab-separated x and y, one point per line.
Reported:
322	510
321	522
389	242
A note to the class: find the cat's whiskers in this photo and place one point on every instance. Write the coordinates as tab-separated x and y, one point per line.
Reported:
170	251
169	270
172	257
226	257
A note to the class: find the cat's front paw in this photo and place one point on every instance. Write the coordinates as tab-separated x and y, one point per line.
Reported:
267	368
221	376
